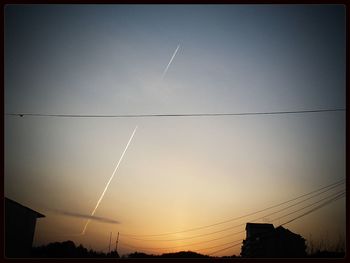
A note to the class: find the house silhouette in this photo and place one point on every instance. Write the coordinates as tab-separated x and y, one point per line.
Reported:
19	229
265	241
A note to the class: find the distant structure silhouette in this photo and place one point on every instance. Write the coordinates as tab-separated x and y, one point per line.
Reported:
19	229
265	241
180	254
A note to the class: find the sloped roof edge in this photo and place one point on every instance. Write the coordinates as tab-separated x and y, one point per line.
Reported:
260	225
38	215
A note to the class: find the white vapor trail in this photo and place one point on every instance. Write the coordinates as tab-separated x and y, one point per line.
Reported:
166	69
110	179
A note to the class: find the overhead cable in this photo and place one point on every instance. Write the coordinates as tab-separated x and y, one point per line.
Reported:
235	226
300	216
172	115
330	186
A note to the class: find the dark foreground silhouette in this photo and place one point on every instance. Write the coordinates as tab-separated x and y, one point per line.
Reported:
181	254
68	249
266	241
327	254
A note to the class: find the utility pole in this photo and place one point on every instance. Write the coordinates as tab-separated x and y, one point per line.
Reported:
116	243
110	238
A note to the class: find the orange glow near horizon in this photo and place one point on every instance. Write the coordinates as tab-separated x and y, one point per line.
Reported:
152	238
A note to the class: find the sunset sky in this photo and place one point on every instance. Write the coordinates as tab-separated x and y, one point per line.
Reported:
178	173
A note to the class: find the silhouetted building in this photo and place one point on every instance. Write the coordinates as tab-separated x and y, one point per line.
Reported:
19	229
265	241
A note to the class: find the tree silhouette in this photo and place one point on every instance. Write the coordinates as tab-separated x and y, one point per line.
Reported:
67	249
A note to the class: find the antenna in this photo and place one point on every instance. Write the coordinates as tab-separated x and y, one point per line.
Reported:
116	243
110	238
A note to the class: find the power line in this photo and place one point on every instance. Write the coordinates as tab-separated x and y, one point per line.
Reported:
172	115
302	215
316	208
235	226
335	197
191	237
336	194
306	213
186	245
330	186
240	241
215	252
231	227
302	202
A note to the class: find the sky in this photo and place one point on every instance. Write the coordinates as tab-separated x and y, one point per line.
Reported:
178	173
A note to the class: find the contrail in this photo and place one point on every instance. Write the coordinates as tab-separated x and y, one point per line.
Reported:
110	179
166	69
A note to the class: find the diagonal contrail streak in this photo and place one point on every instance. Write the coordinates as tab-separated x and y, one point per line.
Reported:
166	69
110	179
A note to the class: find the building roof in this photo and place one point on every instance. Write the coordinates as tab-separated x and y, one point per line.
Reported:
284	231
9	201
258	225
